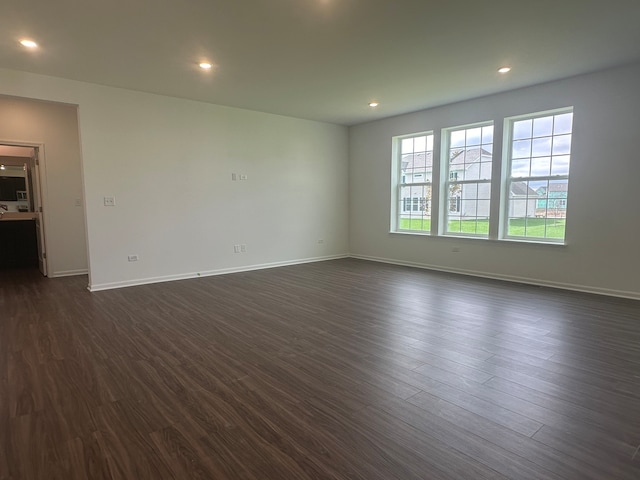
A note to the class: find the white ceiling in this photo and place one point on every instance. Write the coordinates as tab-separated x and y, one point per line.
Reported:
320	59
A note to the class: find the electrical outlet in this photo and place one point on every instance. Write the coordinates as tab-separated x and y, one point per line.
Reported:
77	202
109	201
243	176
455	249
132	258
321	240
243	248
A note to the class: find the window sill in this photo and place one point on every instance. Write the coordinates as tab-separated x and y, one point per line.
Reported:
503	241
411	232
533	242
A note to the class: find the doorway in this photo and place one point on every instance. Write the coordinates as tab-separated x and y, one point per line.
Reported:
22	235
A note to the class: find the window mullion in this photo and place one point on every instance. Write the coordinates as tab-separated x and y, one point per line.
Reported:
495	206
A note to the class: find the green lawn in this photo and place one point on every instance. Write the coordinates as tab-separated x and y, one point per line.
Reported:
535	227
518	227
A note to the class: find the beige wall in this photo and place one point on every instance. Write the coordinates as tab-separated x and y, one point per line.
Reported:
56	126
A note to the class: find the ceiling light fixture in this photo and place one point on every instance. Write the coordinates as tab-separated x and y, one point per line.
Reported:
373	104
504	70
28	43
205	66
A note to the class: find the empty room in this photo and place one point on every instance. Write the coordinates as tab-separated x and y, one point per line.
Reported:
319	239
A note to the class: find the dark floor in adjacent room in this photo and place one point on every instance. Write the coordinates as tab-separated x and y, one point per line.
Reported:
343	369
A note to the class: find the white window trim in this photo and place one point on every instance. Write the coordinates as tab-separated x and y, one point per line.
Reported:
445	181
500	180
398	184
506	178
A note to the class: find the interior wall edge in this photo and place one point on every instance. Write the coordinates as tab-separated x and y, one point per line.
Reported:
507	278
209	273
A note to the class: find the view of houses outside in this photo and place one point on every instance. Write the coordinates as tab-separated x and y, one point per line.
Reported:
536	204
540	156
415	193
537	179
468	173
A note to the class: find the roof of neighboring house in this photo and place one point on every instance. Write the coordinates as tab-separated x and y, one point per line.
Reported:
417	161
469	156
522	189
424	161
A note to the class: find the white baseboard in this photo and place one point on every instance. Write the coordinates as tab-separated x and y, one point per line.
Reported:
509	278
68	273
246	268
223	271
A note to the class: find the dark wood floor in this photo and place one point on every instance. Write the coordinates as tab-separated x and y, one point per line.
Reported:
336	370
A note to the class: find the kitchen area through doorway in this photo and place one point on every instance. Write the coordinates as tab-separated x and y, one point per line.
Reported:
21	226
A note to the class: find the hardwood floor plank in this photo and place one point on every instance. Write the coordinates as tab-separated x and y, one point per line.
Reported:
593	450
24	382
324	452
619	394
498	345
608	425
567	389
450	433
186	458
500	415
86	460
438	455
461	370
342	369
458	426
605	378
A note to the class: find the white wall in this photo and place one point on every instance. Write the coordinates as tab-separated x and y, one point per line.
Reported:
168	162
55	126
603	226
298	187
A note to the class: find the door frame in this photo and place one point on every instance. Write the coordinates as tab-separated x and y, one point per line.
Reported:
42	179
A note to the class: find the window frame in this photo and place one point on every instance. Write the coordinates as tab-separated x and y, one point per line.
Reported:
500	182
507	178
446	180
399	179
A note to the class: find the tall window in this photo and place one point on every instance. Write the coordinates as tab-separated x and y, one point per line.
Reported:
414	188
533	182
538	175
467	189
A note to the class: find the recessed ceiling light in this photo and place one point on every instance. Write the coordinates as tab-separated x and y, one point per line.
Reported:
28	43
205	66
504	70
373	104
